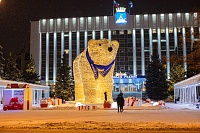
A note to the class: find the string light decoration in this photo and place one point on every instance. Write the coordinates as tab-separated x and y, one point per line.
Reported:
93	71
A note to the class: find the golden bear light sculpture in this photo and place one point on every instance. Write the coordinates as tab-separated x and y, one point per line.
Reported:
93	71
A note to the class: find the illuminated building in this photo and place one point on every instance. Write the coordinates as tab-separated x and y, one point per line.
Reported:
137	37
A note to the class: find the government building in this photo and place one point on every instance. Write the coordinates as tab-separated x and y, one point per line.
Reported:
138	36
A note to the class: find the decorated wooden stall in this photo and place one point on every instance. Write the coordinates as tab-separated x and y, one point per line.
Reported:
188	90
21	96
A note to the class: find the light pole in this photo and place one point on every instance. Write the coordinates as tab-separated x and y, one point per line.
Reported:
66	52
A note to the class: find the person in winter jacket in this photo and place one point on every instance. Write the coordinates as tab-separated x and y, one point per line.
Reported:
120	103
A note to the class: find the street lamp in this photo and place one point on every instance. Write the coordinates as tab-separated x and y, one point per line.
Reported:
66	51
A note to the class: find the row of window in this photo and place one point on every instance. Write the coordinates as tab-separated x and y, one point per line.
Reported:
125	49
146	31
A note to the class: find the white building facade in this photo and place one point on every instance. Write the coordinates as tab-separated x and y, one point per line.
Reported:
50	38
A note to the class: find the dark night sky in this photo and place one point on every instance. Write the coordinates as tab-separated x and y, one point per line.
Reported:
15	15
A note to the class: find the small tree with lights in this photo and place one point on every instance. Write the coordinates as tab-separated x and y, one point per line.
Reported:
30	75
177	72
1	62
156	83
193	56
64	87
11	72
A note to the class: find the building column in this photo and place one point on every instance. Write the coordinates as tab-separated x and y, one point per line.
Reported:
93	34
192	37
62	44
33	92
195	95
109	34
167	52
142	52
40	56
159	44
47	58
101	34
184	49
40	94
192	93
181	95
199	30
38	100
175	38
70	48
150	44
46	93
55	57
86	34
85	39
77	43
185	94
134	52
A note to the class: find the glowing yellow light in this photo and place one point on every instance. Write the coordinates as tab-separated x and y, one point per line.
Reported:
87	88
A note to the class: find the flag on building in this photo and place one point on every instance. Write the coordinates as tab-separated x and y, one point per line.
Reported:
115	4
130	3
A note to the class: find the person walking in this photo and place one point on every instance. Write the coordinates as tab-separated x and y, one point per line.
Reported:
120	103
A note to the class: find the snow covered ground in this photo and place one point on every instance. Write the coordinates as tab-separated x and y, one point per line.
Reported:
171	117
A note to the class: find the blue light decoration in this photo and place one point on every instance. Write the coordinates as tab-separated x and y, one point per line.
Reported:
121	16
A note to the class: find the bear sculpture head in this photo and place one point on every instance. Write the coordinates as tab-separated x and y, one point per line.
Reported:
102	52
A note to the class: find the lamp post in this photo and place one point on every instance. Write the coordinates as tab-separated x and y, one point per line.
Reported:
66	52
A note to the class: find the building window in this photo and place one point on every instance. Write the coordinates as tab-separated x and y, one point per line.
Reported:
121	59
154	31
122	68
179	30
121	51
114	32
162	30
171	30
129	32
121	32
195	14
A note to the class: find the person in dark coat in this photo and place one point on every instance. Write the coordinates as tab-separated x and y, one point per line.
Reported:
105	94
120	103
